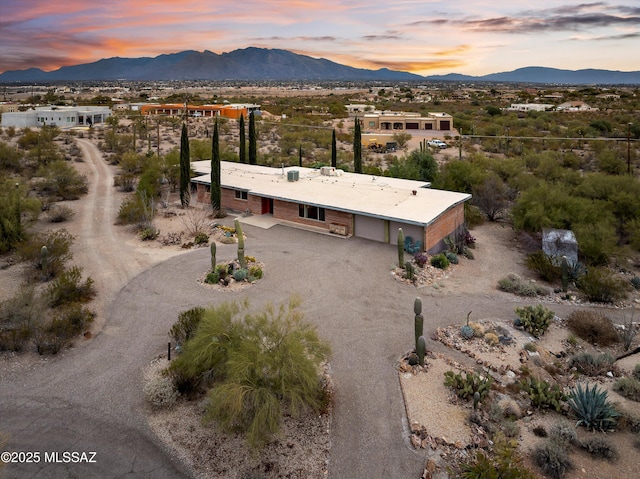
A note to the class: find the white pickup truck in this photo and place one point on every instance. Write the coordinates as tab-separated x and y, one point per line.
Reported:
437	144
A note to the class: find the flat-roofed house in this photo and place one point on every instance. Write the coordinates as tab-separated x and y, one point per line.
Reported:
348	204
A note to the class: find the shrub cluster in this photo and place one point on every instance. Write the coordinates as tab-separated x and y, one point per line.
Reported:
513	283
593	326
534	319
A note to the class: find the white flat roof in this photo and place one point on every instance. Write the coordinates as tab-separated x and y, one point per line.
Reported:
376	196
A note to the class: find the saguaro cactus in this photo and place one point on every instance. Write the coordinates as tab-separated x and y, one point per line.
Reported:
44	261
241	260
400	248
421	350
418	321
213	256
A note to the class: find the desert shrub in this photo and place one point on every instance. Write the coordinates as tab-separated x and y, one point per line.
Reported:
136	210
544	266
592	326
592	408
628	330
563	434
58	244
70	320
534	319
201	238
227	240
635	282
600	448
149	234
504	463
421	259
542	394
186	325
512	283
491	339
628	387
600	285
47	342
18	317
256	272
440	261
59	213
68	288
273	370
540	431
160	392
465	387
240	274
636	371
478	329
591	364
213	277
532	347
452	257
60	179
552	459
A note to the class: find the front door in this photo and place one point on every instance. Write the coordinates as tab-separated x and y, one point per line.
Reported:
267	206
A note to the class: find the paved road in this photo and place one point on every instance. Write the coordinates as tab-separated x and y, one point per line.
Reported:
89	398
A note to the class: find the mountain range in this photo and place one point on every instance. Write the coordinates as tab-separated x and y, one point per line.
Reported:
261	64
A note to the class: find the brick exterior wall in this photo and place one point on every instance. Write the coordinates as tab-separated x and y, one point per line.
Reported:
442	227
287	211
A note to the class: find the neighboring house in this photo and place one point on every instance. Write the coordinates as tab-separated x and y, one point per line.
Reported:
60	116
574	106
231	110
348	204
371	119
530	107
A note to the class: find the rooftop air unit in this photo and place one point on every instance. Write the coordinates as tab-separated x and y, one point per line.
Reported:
293	175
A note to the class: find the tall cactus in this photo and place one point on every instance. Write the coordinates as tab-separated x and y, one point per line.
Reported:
44	261
418	321
213	256
241	260
421	350
400	248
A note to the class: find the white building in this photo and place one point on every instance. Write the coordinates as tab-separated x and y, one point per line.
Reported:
60	116
530	107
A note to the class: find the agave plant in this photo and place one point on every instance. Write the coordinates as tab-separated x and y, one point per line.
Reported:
593	409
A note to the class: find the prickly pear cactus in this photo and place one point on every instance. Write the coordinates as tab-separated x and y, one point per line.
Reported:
400	248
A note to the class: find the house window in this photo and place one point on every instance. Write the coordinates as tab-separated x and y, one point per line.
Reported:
311	212
241	195
372	124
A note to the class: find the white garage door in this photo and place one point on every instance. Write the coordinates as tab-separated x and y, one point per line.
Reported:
369	228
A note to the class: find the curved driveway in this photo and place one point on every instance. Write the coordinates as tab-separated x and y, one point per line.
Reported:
89	398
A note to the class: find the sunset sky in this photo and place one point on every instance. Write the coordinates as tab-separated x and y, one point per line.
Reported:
426	37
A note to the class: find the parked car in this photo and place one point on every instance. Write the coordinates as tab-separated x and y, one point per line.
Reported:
437	144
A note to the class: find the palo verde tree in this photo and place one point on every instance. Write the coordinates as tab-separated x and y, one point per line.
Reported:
334	150
253	140
243	142
258	366
185	167
215	169
357	147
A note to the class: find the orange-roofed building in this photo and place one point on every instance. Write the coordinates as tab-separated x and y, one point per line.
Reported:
231	110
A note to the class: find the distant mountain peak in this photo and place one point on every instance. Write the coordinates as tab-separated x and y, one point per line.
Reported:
259	64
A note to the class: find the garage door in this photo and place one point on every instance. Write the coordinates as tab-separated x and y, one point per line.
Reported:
412	126
369	228
445	125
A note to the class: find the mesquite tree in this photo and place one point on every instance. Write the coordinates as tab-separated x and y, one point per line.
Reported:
357	148
253	141
215	169
185	167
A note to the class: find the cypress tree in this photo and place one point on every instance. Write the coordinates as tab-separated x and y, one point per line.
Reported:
300	155
215	169
357	148
185	167
253	146
334	150
243	141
